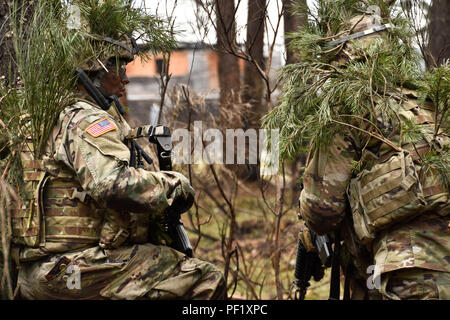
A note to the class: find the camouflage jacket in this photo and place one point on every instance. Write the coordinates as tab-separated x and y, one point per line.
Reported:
421	242
88	150
101	163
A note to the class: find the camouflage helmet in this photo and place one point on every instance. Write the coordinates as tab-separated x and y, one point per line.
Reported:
365	32
106	30
109	48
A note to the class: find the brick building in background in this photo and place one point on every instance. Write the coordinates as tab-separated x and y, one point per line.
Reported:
191	64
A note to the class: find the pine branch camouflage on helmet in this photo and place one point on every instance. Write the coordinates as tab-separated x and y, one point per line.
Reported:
48	50
111	28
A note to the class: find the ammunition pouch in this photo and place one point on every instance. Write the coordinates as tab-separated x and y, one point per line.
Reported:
386	194
396	186
26	220
58	216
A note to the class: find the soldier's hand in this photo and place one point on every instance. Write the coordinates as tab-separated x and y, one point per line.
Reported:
305	237
316	269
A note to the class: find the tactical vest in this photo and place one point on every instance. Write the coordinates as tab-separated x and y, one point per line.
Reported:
55	215
394	187
58	216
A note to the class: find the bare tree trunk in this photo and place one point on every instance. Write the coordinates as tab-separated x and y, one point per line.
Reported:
253	83
291	24
7	55
439	32
229	76
5	43
276	258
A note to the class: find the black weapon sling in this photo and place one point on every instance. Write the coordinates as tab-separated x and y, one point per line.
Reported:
335	283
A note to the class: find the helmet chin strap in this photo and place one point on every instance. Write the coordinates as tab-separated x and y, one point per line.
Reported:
135	49
358	35
99	87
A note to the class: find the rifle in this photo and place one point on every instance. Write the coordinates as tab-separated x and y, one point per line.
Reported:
159	135
313	264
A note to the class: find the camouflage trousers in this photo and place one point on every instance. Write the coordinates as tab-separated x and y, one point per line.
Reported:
415	284
133	272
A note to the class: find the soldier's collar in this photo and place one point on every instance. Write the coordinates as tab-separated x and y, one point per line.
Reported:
83	96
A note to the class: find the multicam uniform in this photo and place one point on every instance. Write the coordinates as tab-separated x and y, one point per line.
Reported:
413	255
76	217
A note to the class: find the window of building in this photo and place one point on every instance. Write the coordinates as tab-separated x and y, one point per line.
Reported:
159	65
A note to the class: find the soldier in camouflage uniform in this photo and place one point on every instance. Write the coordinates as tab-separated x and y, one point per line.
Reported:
87	235
412	257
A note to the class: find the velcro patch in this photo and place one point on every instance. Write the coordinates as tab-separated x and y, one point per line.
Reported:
100	127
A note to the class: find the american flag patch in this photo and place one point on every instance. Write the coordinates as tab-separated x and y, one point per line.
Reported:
100	127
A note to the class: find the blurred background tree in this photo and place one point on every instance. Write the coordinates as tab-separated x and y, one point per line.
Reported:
439	31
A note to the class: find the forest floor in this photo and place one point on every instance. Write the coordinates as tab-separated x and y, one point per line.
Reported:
255	240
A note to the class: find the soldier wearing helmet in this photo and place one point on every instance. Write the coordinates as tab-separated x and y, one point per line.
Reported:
369	181
88	236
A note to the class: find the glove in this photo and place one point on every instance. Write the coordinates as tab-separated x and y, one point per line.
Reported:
313	265
306	238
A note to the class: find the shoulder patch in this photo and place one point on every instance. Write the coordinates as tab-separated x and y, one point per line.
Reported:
100	127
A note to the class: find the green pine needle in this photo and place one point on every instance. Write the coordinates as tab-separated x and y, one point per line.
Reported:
318	93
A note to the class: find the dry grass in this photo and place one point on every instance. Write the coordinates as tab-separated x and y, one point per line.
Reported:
8	199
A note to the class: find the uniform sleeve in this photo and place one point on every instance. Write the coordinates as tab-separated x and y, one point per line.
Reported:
101	164
328	172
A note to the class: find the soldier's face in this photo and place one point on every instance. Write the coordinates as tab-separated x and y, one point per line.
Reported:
115	80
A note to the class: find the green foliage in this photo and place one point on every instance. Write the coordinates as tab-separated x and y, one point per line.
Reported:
439	161
411	132
46	56
47	51
331	89
350	86
116	18
356	166
435	87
